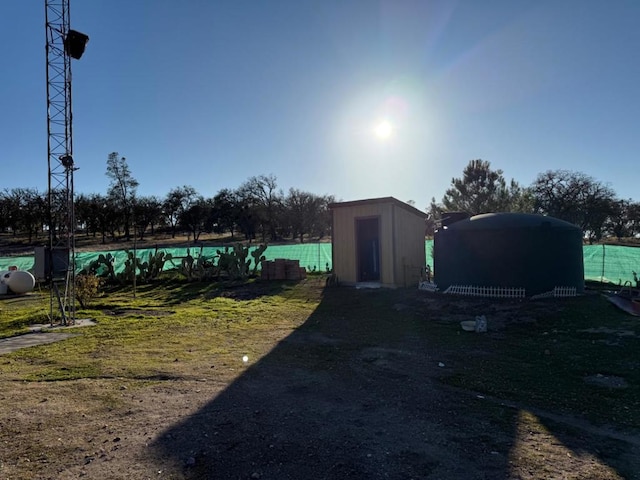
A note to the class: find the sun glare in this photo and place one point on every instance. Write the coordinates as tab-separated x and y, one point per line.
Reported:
383	130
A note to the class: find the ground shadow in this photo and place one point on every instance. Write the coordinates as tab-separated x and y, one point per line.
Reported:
355	393
236	290
179	291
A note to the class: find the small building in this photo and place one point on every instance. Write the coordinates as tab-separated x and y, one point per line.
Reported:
533	252
379	241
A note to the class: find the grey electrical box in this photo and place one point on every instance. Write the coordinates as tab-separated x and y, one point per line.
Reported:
50	263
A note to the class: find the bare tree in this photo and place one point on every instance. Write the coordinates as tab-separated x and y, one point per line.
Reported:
303	211
260	199
177	201
33	211
197	217
576	198
122	188
23	211
147	214
225	211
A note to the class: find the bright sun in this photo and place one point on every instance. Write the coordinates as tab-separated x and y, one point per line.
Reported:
383	130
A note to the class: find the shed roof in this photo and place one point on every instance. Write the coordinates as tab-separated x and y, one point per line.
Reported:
500	221
372	201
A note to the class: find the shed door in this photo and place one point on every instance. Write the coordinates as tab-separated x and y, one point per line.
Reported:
368	249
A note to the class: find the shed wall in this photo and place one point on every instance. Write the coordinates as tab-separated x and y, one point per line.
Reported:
410	256
344	241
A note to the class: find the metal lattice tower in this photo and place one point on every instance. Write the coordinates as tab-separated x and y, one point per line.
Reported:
62	45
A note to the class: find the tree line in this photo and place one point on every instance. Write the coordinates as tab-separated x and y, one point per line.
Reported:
568	195
259	209
256	209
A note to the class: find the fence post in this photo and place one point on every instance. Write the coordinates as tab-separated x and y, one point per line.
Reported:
602	274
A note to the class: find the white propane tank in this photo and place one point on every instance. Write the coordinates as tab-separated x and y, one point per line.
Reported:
20	281
4	276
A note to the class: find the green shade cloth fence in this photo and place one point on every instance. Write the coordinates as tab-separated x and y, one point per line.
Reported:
312	256
607	263
611	263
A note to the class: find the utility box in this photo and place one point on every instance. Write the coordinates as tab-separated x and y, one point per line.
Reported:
50	263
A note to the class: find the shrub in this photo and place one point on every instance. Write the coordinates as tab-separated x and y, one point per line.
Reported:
87	288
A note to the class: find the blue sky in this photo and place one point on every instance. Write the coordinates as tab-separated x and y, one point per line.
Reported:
207	93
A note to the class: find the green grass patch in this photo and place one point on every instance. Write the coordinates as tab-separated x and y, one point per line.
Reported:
18	312
173	330
162	333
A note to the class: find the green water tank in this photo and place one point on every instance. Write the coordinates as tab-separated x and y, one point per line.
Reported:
509	250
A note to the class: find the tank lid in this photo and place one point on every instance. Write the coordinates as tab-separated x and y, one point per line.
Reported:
500	221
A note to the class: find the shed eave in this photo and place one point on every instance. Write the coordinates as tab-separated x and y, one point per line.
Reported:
381	200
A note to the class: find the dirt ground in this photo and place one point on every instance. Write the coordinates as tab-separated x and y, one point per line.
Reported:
320	404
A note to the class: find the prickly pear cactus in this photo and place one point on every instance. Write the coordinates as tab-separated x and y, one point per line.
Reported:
131	267
258	258
234	262
241	254
102	267
155	264
186	267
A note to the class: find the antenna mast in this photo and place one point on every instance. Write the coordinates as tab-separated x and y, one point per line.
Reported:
62	45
